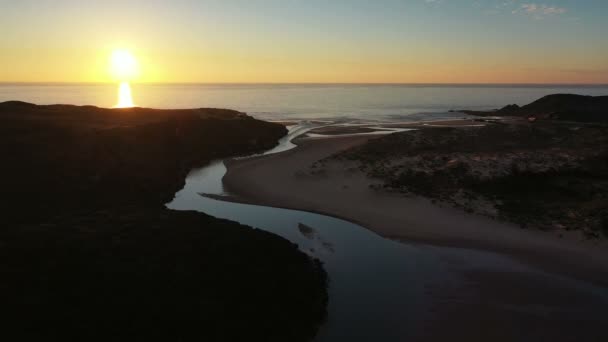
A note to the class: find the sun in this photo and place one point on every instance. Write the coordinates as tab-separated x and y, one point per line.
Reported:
123	66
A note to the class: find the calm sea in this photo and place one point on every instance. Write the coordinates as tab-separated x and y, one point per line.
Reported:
302	101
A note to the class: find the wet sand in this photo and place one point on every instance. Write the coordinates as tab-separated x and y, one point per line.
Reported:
284	180
344	129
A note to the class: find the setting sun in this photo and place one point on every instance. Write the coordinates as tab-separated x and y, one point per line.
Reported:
123	66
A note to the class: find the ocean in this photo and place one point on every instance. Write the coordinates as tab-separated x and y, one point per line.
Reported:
377	102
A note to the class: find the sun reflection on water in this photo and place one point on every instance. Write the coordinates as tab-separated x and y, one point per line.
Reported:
125	100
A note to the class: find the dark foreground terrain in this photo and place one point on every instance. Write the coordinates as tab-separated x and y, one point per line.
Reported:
547	174
88	252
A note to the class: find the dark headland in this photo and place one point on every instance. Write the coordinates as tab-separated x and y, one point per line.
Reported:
566	107
89	252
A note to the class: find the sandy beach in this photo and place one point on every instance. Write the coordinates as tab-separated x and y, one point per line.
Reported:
284	180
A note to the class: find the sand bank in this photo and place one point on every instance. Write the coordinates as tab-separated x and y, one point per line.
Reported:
284	180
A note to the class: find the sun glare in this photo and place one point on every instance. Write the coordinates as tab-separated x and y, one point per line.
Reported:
123	66
125	100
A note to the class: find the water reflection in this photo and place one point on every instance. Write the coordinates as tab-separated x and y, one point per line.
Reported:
125	100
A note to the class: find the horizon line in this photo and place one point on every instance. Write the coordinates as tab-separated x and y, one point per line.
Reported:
311	83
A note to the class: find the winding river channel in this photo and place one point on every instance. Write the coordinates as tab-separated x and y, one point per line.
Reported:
379	289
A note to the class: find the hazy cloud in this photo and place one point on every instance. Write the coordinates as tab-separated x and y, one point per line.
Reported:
539	10
536	10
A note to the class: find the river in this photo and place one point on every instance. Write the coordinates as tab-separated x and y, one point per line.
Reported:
379	289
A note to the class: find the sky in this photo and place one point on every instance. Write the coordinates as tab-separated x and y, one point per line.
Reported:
302	41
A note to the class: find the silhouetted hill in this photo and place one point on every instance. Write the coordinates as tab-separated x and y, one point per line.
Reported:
88	252
90	154
566	107
560	107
